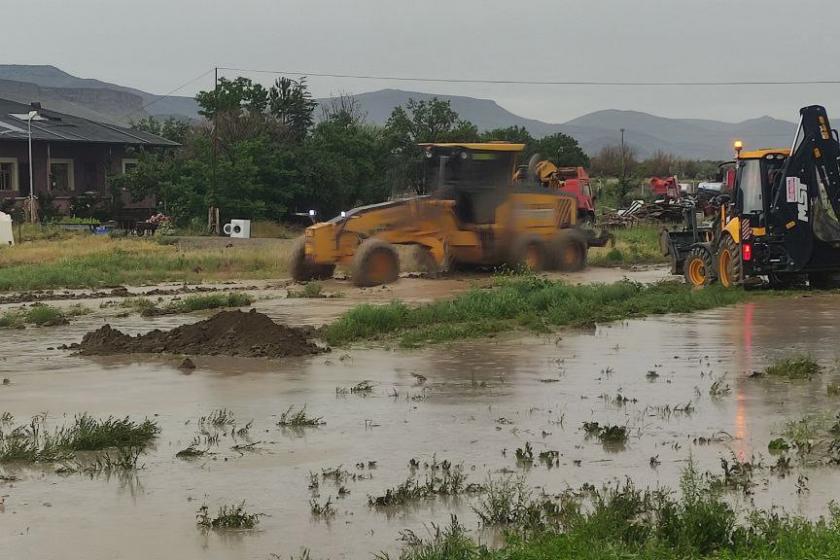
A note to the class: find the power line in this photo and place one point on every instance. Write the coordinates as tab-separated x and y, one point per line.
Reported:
594	83
168	94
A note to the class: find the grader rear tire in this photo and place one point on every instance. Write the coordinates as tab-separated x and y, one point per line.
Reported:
528	252
303	271
375	262
569	250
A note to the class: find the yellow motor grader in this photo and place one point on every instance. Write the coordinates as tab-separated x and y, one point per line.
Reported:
477	214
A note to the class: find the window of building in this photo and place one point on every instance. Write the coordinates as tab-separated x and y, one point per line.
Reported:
8	174
129	165
61	175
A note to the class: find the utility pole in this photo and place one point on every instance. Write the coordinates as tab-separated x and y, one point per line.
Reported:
623	162
213	213
33	215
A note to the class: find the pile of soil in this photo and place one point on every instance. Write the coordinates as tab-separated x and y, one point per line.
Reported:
228	333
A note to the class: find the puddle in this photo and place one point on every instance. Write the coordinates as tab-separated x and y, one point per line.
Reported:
545	388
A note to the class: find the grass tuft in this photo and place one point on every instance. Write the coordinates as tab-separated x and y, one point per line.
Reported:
35	444
298	418
799	366
228	517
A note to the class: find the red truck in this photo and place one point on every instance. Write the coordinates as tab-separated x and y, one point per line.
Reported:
667	188
571	180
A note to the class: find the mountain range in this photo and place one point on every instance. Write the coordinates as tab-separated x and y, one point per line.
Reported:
646	133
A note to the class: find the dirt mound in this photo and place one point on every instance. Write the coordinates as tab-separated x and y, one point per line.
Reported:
229	333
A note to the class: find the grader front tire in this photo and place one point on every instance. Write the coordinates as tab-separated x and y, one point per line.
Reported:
375	262
303	271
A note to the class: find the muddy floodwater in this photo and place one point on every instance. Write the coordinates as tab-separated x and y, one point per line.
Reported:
481	400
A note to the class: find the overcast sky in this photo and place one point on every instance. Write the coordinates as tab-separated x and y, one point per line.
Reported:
156	45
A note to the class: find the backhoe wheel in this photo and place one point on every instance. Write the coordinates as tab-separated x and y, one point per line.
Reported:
528	252
303	271
698	267
375	262
568	250
730	271
824	280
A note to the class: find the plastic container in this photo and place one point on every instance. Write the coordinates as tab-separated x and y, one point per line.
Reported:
7	238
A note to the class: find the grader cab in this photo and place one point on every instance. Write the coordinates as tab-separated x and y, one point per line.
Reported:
476	214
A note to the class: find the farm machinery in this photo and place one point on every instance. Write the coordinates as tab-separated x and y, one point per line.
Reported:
571	180
476	214
779	222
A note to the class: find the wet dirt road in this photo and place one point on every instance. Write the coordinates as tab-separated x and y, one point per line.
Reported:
271	295
542	387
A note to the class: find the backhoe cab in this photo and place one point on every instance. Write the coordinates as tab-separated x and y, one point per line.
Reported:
779	221
476	214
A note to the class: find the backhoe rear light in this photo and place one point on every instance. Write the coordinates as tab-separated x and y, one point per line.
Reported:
746	251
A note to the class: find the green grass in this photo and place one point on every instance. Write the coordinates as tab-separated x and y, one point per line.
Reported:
521	302
35	444
228	517
622	522
636	245
310	290
794	367
40	315
96	261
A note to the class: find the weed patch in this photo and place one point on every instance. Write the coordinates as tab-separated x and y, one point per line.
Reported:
528	302
292	418
794	367
607	434
35	444
40	315
442	479
228	517
622	522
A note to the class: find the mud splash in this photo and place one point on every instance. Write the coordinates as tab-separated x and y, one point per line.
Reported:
228	333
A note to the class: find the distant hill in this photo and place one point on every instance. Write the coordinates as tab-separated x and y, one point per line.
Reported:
85	97
690	138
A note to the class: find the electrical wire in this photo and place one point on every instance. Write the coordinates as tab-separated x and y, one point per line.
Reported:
539	82
168	94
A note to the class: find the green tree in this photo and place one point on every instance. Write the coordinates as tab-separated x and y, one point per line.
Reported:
561	149
514	134
237	96
421	121
169	128
608	161
291	104
431	120
347	164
